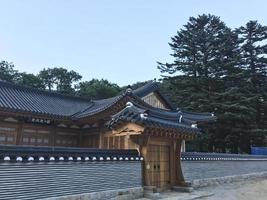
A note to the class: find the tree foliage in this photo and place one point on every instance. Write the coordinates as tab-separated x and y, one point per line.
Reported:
60	79
221	70
29	80
7	71
205	47
98	89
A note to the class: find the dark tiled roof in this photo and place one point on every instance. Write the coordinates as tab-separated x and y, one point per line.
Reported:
98	106
23	99
151	117
197	117
25	151
178	115
146	89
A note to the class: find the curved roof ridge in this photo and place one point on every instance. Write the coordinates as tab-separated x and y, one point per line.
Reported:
135	114
196	113
103	104
41	91
146	89
99	106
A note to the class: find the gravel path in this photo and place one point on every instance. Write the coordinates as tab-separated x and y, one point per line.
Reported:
244	190
238	191
251	190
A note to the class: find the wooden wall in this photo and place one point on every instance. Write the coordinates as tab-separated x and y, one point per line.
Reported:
154	100
91	140
118	142
20	133
8	133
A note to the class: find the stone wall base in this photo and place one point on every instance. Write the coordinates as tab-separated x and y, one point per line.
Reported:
123	194
228	179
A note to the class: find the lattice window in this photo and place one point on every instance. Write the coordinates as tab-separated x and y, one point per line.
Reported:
66	139
7	135
35	137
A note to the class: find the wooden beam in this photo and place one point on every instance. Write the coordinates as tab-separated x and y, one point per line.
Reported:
128	129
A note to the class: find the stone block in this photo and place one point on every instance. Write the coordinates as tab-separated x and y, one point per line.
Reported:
182	189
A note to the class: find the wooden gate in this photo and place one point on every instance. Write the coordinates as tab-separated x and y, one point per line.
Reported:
158	165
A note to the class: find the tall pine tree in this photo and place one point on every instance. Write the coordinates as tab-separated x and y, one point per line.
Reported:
210	58
253	37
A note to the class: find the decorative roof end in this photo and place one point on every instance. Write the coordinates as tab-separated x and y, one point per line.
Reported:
180	118
143	115
194	125
129	104
129	90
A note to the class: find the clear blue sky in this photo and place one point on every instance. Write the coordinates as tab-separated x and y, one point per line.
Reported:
119	40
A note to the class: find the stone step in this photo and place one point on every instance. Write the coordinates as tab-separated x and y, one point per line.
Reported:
183	189
151	195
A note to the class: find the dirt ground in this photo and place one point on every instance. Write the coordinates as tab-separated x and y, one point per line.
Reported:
252	190
256	190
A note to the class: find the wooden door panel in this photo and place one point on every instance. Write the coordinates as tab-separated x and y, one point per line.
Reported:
158	158
164	165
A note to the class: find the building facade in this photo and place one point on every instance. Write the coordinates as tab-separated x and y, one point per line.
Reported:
142	119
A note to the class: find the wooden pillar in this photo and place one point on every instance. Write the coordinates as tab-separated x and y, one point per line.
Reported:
183	146
53	135
143	147
101	139
173	166
126	141
80	138
19	133
178	177
143	151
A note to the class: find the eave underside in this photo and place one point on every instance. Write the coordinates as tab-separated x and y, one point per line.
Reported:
132	129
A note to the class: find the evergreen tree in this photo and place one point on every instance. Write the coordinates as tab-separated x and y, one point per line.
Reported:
254	61
203	48
214	67
254	51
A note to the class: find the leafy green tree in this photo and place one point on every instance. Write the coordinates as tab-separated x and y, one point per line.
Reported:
59	79
30	80
98	89
48	78
7	71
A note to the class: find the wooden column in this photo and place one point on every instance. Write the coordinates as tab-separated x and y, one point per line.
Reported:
143	151
80	139
101	140
173	166
19	133
143	145
177	174
53	135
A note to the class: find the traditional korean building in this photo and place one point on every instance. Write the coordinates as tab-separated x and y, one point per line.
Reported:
142	119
